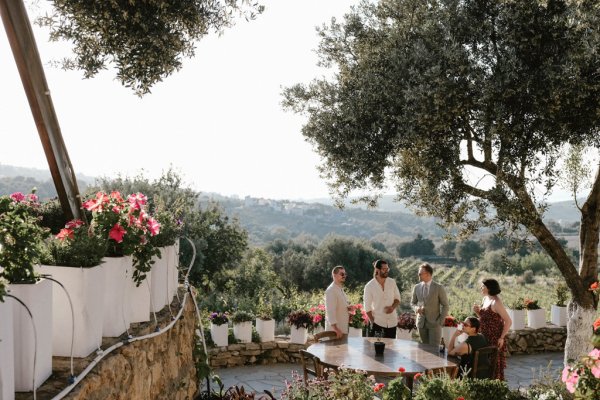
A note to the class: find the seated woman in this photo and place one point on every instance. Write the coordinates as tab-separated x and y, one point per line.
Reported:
466	350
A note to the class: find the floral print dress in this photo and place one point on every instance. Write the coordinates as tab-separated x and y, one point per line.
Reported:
492	325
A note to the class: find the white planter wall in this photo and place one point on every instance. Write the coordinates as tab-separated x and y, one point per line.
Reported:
116	302
518	319
298	335
219	334
173	283
7	359
242	331
354	332
447	332
159	282
38	298
265	329
403	334
558	315
139	299
536	318
86	289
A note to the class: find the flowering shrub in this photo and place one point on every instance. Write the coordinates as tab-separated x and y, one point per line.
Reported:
562	294
396	389
342	384
219	318
595	288
583	377
76	245
358	316
407	321
519	304
22	237
318	316
242	316
300	319
128	226
531	304
450	321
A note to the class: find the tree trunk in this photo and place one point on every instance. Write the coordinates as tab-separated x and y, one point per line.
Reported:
579	330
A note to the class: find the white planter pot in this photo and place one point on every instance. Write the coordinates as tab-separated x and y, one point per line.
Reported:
298	335
354	332
242	331
86	289
518	319
318	329
173	282
38	298
116	301
460	339
7	355
403	334
536	318
139	299
447	332
558	315
159	280
265	329
219	333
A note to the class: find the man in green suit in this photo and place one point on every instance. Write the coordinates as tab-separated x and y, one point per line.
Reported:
430	302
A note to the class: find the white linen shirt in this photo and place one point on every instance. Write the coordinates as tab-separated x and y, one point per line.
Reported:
376	298
336	308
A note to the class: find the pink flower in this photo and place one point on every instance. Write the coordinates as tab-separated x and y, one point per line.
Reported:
65	233
32	197
570	378
401	369
321	307
74	224
378	387
18	197
153	226
116	196
137	200
116	233
317	318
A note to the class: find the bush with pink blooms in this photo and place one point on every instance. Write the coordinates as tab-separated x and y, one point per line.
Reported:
318	316
583	377
128	226
358	316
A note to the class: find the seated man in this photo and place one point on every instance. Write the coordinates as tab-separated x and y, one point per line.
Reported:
466	350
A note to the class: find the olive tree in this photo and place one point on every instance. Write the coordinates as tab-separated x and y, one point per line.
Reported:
467	107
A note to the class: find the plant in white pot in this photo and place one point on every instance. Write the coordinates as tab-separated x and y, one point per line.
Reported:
265	324
516	312
73	258
219	328
358	320
536	315
407	322
7	355
300	322
449	327
558	311
20	248
242	325
317	314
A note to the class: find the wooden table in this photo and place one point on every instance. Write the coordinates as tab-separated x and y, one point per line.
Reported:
359	353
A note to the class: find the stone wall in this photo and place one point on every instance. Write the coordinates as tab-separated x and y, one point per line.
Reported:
161	367
528	341
279	351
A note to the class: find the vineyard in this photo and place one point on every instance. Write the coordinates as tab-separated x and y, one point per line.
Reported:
462	286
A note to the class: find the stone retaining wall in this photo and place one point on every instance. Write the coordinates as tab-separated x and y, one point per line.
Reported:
525	341
529	341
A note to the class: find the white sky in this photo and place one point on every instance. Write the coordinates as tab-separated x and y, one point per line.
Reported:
218	121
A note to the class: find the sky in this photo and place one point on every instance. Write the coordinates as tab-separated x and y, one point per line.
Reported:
218	121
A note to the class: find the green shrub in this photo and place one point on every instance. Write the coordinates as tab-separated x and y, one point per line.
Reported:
444	388
562	294
242	316
489	389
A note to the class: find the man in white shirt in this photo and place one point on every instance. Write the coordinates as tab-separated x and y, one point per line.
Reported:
430	302
382	297
336	304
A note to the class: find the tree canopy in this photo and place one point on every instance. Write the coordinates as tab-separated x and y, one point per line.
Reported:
467	106
145	40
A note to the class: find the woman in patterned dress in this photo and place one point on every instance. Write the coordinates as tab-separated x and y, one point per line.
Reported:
495	321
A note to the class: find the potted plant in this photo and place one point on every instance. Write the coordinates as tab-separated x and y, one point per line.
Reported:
449	327
516	312
265	324
318	318
127	226
242	326
406	323
219	328
378	344
300	321
536	316
73	257
558	311
20	248
358	320
7	359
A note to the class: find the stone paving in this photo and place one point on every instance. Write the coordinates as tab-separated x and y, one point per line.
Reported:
521	370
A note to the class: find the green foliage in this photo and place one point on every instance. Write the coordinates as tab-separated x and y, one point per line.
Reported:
144	40
562	294
264	309
242	316
342	384
300	319
417	247
21	239
397	390
444	388
538	263
467	251
53	216
3	288
518	304
76	246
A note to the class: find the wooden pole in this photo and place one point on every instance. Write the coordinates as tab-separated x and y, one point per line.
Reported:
22	42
